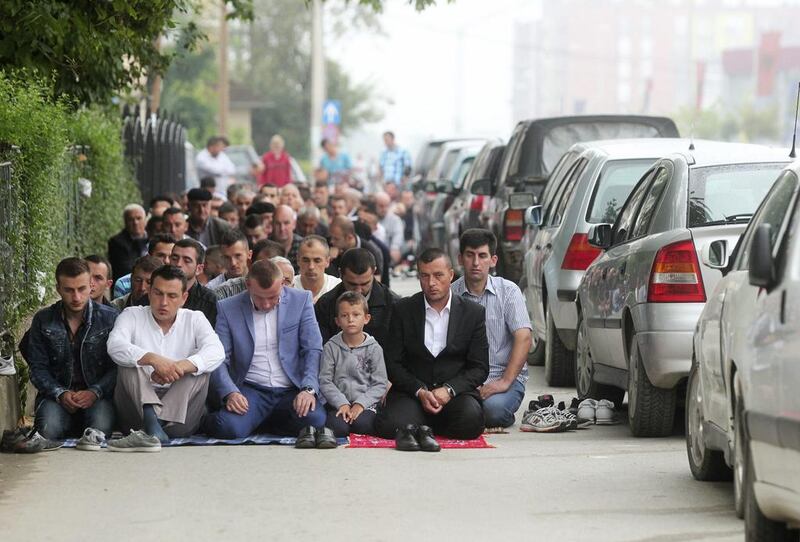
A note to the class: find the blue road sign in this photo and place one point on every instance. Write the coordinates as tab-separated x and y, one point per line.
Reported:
332	112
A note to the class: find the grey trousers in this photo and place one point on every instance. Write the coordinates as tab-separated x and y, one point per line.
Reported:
182	405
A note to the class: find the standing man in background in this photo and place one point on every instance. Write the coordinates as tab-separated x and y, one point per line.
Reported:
394	163
277	164
213	162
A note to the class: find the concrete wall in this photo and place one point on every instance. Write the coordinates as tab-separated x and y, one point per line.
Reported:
9	402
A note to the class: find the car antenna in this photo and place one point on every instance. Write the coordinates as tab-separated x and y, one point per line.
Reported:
792	154
691	136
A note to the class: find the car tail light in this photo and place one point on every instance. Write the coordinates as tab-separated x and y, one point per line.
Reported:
580	254
676	275
513	225
476	204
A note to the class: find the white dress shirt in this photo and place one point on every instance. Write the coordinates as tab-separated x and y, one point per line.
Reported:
220	167
330	283
436	326
191	337
265	367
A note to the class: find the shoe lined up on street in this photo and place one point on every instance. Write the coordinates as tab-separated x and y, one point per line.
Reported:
543	416
26	441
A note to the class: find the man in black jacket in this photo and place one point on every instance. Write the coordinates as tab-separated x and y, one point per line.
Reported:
129	244
437	357
358	275
202	226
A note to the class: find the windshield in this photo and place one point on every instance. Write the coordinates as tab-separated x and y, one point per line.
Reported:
728	194
613	187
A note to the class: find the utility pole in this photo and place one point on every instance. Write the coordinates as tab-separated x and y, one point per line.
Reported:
317	81
224	83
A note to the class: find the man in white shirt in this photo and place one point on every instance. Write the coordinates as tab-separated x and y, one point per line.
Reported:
213	162
393	225
313	258
165	354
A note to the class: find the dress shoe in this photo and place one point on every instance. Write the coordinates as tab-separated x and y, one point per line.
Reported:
405	439
425	439
326	440
307	438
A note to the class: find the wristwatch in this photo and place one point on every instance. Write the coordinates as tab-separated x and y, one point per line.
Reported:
450	390
310	390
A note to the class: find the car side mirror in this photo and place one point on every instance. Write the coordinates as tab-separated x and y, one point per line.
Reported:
429	186
715	254
445	187
762	265
481	187
600	236
533	215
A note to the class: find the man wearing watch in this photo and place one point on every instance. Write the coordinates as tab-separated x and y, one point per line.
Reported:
269	380
437	358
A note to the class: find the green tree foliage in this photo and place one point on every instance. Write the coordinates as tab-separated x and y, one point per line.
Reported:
747	124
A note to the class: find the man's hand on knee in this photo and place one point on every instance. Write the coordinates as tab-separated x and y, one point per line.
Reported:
67	401
429	402
304	403
237	403
84	399
494	387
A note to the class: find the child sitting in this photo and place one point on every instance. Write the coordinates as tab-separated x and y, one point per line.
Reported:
352	375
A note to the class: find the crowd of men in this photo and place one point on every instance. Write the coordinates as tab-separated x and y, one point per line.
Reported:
268	309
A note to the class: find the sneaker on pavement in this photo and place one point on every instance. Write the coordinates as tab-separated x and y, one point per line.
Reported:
136	441
573	406
588	410
20	442
10	438
604	413
7	356
541	421
92	440
545	400
577	421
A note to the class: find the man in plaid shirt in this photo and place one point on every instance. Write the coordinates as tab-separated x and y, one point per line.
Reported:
394	161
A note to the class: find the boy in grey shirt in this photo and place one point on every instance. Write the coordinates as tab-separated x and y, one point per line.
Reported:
352	375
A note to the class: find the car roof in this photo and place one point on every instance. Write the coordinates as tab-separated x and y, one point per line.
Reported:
655	147
717	153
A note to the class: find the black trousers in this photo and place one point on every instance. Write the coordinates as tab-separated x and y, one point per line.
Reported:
461	418
364	424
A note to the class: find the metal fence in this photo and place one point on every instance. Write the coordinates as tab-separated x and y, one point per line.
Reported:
8	225
156	146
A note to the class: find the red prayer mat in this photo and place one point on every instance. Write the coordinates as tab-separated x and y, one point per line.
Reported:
365	441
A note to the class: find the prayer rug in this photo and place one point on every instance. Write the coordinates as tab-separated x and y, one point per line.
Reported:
202	440
365	441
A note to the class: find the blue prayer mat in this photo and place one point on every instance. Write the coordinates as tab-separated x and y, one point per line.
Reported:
203	440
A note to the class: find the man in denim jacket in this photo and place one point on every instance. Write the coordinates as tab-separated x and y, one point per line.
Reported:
66	351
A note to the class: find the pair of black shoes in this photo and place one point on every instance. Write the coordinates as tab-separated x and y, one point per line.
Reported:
415	438
311	437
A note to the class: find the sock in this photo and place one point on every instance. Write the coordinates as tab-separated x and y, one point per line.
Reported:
152	425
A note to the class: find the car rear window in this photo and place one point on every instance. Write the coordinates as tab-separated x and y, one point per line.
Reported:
728	194
613	187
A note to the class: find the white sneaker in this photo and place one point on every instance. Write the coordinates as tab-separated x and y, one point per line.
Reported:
604	413
541	421
7	355
136	441
587	410
92	440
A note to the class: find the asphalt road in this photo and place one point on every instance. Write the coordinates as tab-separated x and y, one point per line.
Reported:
596	484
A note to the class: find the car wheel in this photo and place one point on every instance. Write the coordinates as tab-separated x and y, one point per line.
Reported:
739	451
706	465
651	410
585	384
559	365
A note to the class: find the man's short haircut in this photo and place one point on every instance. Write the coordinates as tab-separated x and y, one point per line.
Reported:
148	264
357	261
232	236
252	221
352	298
199	251
213	140
71	268
309	240
214	255
131	207
430	254
157	239
153	223
265	273
475	238
96	258
309	212
259	208
280	259
368	205
169	272
344	224
208	182
226	208
267	185
338	197
389	133
172	211
161	197
362	229
270	247
323	142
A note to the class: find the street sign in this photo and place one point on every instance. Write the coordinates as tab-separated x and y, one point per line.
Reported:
332	112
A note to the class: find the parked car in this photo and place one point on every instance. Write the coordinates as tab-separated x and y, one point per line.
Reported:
426	157
742	403
639	302
591	191
465	210
533	150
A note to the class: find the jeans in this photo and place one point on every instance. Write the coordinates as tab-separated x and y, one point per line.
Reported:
55	423
269	409
499	409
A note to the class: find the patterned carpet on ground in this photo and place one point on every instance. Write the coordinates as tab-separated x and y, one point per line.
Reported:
365	441
202	440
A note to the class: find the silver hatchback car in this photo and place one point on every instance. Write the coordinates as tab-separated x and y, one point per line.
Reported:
639	302
591	191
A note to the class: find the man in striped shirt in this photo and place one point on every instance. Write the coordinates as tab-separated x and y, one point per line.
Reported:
508	327
394	161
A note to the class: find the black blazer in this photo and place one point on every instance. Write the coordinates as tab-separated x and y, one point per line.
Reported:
464	362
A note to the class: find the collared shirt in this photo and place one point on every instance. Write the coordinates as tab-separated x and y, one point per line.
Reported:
191	337
436	327
505	313
393	225
393	162
329	284
265	367
292	254
201	236
220	167
75	341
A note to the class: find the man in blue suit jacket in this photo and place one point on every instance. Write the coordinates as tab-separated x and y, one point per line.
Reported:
272	346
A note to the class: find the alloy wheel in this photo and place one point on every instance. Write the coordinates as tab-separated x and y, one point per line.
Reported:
585	363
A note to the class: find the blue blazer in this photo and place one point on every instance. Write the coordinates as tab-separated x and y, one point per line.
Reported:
299	341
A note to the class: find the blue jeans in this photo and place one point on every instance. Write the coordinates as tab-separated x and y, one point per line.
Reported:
54	422
269	409
499	409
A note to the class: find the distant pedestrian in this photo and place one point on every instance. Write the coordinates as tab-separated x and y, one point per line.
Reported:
277	164
213	162
395	161
337	164
130	243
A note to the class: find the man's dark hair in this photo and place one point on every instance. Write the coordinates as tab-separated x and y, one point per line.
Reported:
259	208
226	208
313	238
172	211
148	264
368	205
264	273
389	133
161	197
475	238
344	224
430	254
352	298
208	182
358	261
200	252
213	140
198	194
96	258
71	268
362	229
152	223
232	236
323	142
272	249
159	238
252	221
169	272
